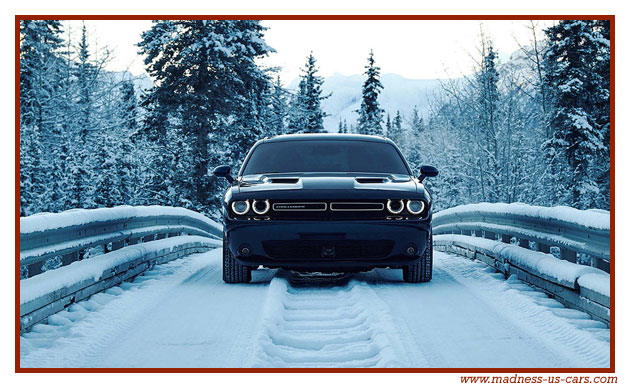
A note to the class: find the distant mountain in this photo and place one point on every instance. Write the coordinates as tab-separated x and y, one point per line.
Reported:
399	93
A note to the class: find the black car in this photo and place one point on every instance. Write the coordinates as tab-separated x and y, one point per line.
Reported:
326	203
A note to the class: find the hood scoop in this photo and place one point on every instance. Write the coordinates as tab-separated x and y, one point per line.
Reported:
286	181
368	180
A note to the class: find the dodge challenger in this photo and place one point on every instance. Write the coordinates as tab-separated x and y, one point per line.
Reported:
326	203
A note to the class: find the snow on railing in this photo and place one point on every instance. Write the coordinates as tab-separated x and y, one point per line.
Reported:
581	236
545	247
51	240
52	291
132	240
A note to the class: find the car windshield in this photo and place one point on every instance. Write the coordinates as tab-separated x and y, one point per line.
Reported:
325	156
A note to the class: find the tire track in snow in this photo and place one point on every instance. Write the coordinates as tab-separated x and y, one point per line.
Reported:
339	326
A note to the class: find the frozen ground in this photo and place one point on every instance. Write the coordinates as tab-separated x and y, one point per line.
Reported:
182	315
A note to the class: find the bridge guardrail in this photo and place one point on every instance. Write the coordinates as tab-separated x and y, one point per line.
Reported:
134	239
484	232
573	231
50	292
69	234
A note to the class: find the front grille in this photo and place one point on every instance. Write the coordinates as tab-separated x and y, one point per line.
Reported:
333	209
333	249
356	206
328	210
300	206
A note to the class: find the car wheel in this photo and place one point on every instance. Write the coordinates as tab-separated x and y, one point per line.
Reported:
421	271
232	271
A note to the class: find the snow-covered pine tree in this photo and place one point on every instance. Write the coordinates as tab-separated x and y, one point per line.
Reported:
215	79
40	42
411	136
128	159
602	108
370	114
85	77
32	174
106	192
395	131
81	159
576	65
65	128
278	110
487	80
305	112
416	123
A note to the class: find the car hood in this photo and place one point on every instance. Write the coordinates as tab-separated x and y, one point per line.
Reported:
308	182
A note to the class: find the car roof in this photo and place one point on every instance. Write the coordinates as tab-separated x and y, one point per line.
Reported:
327	136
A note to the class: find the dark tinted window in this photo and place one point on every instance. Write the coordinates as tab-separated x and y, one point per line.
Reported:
325	156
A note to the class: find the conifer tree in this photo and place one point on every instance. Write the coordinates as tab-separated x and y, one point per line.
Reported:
81	163
370	114
106	188
40	41
306	115
489	167
417	125
395	132
576	65
278	111
127	160
216	78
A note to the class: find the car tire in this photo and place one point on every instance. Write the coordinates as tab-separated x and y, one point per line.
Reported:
233	272
422	270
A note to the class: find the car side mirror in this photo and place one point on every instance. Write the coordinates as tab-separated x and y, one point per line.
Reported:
224	172
427	172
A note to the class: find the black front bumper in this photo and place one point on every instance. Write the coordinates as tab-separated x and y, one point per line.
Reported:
326	245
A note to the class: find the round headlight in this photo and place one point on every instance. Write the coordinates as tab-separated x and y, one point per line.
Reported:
395	206
261	207
240	207
415	207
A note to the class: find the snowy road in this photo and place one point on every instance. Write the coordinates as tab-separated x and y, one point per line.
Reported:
182	315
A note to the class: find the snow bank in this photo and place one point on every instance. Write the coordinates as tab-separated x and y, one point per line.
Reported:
592	218
483	243
73	217
90	241
545	264
597	282
539	263
534	235
50	281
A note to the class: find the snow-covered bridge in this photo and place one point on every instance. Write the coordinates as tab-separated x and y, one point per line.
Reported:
513	286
